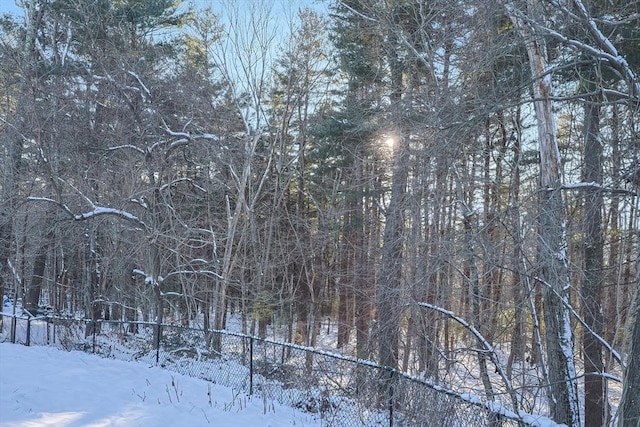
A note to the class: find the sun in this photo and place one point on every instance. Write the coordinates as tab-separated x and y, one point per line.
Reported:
390	142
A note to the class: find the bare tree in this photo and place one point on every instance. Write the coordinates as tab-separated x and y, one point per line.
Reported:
552	244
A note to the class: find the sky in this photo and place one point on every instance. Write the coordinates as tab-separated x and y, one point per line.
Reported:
9	6
42	386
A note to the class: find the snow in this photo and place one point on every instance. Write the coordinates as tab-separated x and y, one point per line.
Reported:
130	146
566	344
107	211
42	155
42	386
146	90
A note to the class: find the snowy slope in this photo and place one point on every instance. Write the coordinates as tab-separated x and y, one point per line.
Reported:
41	386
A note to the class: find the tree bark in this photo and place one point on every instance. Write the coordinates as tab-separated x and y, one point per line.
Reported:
16	135
32	297
591	292
552	241
629	409
476	298
517	350
389	295
611	314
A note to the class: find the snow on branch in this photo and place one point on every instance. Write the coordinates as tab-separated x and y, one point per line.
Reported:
171	294
568	305
109	211
582	185
97	211
358	13
179	143
187	136
184	138
461	321
151	280
129	146
148	278
16	275
144	87
179	180
595	186
141	202
117	84
615	60
203	272
619	21
603	48
64	207
489	350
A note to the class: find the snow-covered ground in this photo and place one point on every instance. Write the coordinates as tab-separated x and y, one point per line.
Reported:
183	351
42	386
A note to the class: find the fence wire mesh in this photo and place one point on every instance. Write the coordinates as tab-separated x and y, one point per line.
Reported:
338	390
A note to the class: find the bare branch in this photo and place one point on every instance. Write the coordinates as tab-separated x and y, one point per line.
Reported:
568	305
487	346
129	146
97	211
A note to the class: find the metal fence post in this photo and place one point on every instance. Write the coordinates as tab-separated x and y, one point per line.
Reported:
94	326
28	332
14	322
391	377
250	365
158	339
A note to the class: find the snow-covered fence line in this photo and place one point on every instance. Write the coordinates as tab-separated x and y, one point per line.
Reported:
340	390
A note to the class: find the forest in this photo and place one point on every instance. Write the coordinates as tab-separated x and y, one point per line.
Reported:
451	185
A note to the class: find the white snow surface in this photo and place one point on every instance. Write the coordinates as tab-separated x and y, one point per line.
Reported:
42	386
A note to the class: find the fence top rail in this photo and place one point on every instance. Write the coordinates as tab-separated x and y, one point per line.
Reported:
470	399
25	316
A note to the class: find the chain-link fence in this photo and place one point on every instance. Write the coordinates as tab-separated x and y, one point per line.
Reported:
339	390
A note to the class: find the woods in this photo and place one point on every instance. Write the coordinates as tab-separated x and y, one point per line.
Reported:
446	188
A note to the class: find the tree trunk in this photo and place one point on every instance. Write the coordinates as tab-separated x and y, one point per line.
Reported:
9	185
16	137
130	312
517	351
32	297
611	314
552	242
389	297
344	314
594	396
390	285
365	279
476	299
629	409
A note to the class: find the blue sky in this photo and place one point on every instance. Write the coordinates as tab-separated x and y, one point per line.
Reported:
9	6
